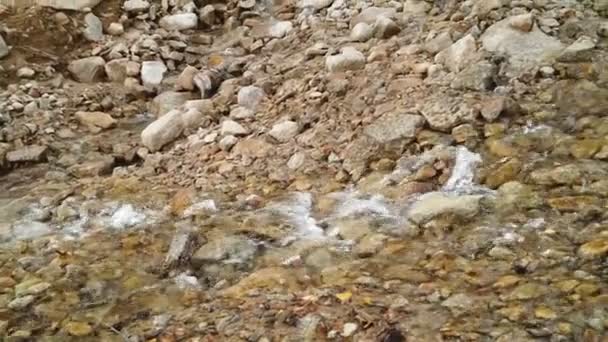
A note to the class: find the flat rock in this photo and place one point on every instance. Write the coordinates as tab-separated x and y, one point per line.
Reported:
394	126
136	5
435	204
164	130
31	153
579	51
594	249
87	70
179	22
444	112
230	127
94	120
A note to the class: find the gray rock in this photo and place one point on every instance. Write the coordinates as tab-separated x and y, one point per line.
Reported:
167	101
21	302
445	112
153	73
435	204
230	127
459	55
164	130
385	27
439	43
4	50
362	32
70	5
284	131
522	22
579	51
136	5
394	126
87	70
229	249
484	7
93	28
179	22
31	153
477	76
250	97
371	14
581	98
315	4
182	246
349	59
524	49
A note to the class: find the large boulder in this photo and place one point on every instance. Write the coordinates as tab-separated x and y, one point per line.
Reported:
87	70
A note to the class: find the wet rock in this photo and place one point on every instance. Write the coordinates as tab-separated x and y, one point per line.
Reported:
594	249
136	5
516	195
527	291
362	32
87	70
73	5
358	154
179	22
579	51
349	329
573	203
231	249
168	101
385	28
31	153
432	205
78	329
444	112
93	28
93	168
250	97
349	59
371	14
284	131
230	127
458	302
504	173
164	130
21	303
96	121
394	126
370	245
182	247
267	278
492	108
4	50
524	49
478	76
581	98
152	73
459	55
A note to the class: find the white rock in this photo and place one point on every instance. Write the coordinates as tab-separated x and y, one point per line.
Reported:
284	131
280	29
230	127
349	59
163	131
315	4
167	101
71	5
227	142
362	32
459	55
4	50
522	22
136	5
434	204
93	28
349	329
179	22
152	73
250	96
116	29
26	72
87	70
385	28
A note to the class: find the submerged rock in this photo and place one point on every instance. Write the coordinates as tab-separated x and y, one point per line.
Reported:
432	205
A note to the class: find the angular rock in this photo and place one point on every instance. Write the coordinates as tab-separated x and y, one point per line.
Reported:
31	153
579	51
522	22
179	22
439	43
492	108
444	112
415	7
284	131
95	120
164	130
182	246
185	81
581	98
152	73
230	127
435	204
394	126
349	59
93	168
136	5
315	4
93	28
371	14
235	248
168	101
116	69
477	76
87	70
250	96
3	48
459	55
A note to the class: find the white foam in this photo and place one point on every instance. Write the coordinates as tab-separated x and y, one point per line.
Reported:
125	217
297	210
202	207
352	205
463	172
